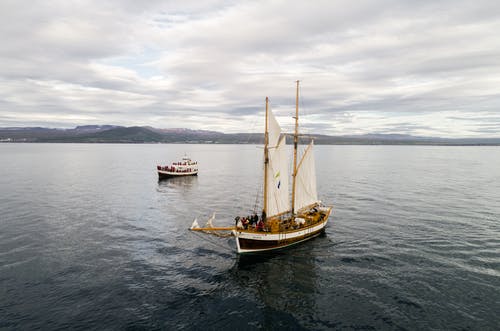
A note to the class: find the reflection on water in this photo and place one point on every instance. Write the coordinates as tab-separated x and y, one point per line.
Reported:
285	282
179	182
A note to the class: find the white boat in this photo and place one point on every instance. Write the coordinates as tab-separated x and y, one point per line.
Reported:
185	167
283	221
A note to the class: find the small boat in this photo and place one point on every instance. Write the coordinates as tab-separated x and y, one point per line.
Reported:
282	221
185	167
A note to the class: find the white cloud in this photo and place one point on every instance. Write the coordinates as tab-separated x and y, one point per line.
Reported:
425	68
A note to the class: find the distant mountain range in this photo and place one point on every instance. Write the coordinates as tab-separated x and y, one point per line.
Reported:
146	134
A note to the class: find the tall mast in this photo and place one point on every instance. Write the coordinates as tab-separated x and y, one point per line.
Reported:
266	160
295	142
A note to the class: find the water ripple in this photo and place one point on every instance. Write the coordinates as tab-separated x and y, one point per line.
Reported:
92	240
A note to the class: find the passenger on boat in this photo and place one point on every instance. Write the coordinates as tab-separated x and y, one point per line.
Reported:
245	222
260	225
300	222
254	219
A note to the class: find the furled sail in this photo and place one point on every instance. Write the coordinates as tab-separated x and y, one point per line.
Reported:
305	181
278	198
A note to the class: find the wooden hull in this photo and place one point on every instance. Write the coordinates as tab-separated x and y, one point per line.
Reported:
251	242
168	174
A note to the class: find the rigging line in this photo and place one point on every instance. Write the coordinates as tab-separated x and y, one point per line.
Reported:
260	189
251	131
257	198
246	142
258	142
306	130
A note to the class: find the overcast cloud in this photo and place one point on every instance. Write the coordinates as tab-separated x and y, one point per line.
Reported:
412	67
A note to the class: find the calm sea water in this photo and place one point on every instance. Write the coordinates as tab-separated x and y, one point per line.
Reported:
89	239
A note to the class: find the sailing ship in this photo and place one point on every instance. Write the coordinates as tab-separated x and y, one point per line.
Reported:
283	221
185	167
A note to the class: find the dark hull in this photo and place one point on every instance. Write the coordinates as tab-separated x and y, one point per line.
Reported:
166	176
258	245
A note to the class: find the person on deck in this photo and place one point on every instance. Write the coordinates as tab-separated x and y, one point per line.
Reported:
254	219
260	225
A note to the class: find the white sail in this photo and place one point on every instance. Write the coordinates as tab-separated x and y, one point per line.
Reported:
305	181
278	198
274	130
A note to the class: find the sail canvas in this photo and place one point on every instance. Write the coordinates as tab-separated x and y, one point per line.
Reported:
278	199
305	180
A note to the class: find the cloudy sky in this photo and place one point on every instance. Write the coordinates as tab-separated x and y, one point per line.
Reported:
412	67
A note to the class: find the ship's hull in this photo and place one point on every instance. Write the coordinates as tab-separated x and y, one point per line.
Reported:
168	174
252	242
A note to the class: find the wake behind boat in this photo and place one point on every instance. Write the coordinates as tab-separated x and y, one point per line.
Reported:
185	167
282	222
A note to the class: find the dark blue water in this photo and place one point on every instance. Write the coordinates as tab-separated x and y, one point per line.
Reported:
90	239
